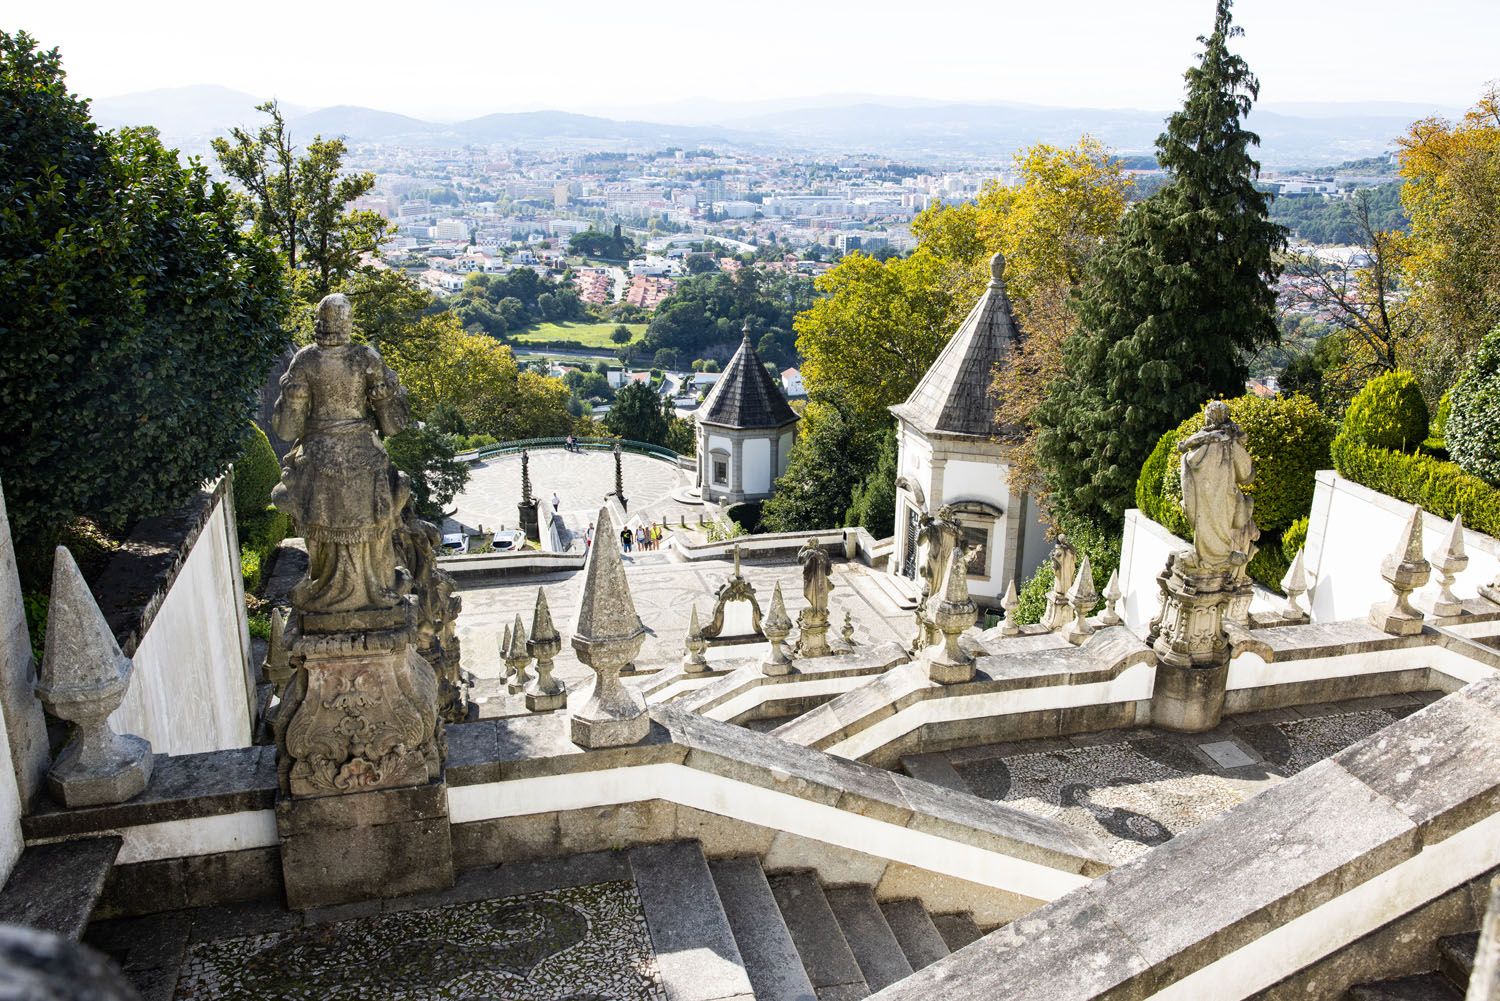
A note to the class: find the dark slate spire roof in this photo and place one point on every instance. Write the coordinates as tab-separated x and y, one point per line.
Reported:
956	395
746	396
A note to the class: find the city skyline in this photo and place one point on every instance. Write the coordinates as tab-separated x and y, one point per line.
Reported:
674	61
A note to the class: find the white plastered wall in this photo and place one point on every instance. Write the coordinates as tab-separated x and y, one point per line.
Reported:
784	451
190	690
1353	529
757	465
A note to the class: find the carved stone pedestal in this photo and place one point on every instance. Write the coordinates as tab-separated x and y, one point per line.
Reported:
1191	647
364	845
362	811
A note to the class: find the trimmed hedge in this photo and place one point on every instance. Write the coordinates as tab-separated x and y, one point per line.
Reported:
1388	413
1472	426
256	471
1442	488
260	533
1150	488
1294	538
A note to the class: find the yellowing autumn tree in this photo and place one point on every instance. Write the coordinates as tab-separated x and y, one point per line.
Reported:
1452	259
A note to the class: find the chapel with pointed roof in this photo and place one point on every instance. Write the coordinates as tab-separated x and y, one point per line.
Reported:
952	453
745	431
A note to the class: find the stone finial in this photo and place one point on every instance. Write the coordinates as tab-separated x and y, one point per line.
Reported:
525	477
746	330
1112	596
1082	597
693	661
778	626
83	679
1405	570
517	657
543	691
947	663
1008	602
620	477
278	664
1449	563
505	654
607	635
997	268
1294	583
847	632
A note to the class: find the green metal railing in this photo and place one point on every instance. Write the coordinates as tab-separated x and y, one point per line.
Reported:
580	444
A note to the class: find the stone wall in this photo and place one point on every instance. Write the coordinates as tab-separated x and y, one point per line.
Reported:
175	600
1354	528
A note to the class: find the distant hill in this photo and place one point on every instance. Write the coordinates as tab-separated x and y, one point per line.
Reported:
914	131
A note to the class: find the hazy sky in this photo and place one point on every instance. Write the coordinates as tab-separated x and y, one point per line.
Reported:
453	60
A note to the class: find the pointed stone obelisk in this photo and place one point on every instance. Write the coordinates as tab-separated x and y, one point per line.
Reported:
517	657
1112	595
607	635
947	663
1082	597
1294	583
84	678
1405	570
778	627
693	661
544	692
1449	563
1008	604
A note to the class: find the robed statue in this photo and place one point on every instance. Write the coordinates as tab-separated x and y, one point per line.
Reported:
338	399
1215	468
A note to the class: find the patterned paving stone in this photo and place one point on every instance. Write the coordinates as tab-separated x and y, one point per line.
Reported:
586	943
1138	793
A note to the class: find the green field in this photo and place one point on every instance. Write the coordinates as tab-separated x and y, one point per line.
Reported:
594	335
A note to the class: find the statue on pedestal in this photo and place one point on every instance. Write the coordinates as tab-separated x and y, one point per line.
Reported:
1215	466
812	621
1059	611
360	711
939	535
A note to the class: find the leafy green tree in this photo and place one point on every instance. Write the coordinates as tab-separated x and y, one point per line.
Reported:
637	414
873	505
138	318
828	459
300	202
425	454
1174	304
621	334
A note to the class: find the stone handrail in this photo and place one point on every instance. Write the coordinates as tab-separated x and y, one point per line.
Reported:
593	444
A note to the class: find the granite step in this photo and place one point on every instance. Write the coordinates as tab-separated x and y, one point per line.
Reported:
1456	957
761	933
56	886
1423	987
690	933
937	769
913	928
957	930
825	953
869	936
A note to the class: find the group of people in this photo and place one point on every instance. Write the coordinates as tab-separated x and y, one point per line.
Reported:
644	538
571	443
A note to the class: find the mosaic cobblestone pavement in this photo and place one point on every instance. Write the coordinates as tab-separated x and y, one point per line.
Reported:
586	943
1141	788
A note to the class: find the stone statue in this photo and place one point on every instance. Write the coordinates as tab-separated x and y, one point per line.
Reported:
1059	611
337	485
812	621
1215	466
940	535
437	608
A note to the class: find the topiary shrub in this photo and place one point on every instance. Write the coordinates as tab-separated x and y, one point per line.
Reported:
1441	488
256	471
1151	486
1472	432
1389	413
1294	538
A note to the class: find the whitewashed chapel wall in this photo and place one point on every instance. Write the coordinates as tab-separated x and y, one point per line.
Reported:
193	689
1354	528
757	465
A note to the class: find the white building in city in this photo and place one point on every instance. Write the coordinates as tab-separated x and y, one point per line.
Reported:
951	455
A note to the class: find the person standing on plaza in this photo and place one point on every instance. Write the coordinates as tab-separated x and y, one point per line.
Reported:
627	539
588	537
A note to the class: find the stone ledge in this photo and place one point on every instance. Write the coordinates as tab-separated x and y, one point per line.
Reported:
1226	885
748	677
182	787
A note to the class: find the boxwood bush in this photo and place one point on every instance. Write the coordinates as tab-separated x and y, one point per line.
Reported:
1472	428
1442	488
1389	413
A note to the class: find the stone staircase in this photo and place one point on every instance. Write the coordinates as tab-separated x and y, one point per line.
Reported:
726	929
1447	983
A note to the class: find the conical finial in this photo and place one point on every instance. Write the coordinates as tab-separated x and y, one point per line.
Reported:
517	648
1009	626
83	679
997	268
542	629
81	651
1294	583
606	610
746	330
1450	561
956	589
1112	596
1410	550
777	626
1082	597
694	644
1405	570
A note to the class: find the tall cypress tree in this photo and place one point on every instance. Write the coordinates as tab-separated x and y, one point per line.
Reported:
1174	304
